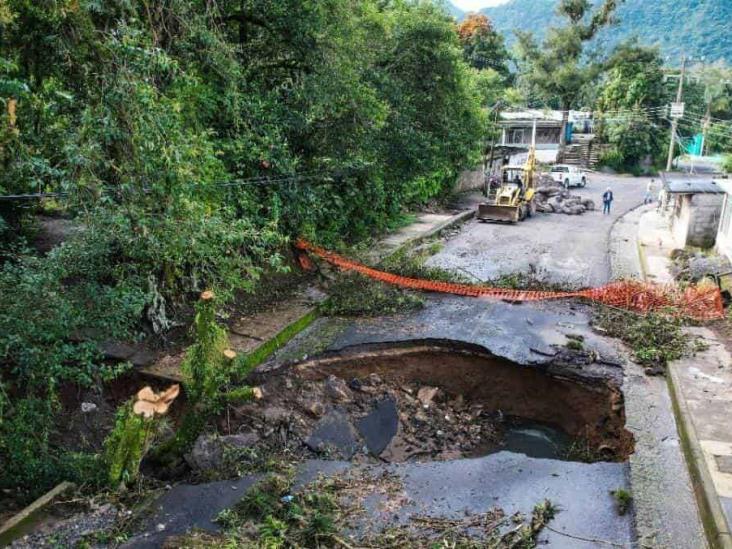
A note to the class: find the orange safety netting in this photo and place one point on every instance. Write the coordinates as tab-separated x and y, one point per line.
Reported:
703	302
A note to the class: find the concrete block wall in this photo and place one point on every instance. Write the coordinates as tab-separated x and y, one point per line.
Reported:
705	212
470	180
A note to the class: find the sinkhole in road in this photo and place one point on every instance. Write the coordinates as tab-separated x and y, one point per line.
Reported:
423	401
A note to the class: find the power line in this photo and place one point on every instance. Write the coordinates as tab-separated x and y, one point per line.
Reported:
253	181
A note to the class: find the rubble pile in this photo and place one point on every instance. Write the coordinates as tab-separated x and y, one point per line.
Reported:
552	197
361	420
695	266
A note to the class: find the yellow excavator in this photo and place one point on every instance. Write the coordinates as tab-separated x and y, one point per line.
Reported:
512	198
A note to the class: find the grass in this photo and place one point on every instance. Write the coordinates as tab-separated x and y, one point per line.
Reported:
273	514
575	345
413	264
280	518
353	294
491	529
581	450
623	500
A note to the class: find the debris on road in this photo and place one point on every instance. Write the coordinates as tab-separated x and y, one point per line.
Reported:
552	197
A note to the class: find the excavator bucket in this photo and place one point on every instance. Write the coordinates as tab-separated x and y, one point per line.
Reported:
488	212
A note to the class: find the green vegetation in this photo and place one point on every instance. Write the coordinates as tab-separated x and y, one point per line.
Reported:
556	70
623	500
208	369
278	516
188	142
727	163
353	294
127	444
483	47
632	84
281	518
655	339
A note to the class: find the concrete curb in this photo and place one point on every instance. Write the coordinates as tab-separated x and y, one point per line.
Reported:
710	509
7	530
457	219
614	241
269	347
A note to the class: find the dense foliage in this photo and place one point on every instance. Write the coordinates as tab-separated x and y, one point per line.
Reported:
558	71
483	47
189	140
628	109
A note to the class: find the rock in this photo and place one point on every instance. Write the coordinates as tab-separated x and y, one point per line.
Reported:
555	203
374	379
275	415
87	407
336	389
379	426
334	433
209	450
426	394
313	407
703	266
588	204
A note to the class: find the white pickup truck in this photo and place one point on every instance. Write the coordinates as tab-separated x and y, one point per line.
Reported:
569	176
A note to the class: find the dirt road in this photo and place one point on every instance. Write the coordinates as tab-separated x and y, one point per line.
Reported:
562	249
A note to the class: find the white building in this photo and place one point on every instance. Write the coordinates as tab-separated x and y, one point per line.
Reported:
724	232
518	127
695	205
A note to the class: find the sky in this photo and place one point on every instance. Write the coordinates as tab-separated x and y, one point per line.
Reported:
473	5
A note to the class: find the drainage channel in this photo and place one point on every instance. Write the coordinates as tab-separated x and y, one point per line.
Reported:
407	403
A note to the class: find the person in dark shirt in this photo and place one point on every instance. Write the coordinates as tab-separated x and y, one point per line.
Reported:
607	200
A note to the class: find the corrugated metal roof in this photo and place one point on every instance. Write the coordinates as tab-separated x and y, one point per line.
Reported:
692	186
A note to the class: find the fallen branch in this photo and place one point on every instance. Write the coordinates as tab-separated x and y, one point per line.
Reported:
592	540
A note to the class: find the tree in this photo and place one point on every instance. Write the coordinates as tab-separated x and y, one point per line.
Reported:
715	80
628	109
558	71
483	46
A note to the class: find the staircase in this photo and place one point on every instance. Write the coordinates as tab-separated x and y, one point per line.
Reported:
583	151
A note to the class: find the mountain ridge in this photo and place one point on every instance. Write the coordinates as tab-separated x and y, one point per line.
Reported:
677	27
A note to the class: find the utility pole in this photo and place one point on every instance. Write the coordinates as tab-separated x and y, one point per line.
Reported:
675	119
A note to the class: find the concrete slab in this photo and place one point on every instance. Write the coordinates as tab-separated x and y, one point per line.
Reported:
666	513
424	226
334	434
516	483
186	507
512	331
449	489
380	425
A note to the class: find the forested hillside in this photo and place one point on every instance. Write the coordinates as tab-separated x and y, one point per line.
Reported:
453	10
678	26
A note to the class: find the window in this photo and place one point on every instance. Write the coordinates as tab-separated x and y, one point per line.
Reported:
560	169
516	137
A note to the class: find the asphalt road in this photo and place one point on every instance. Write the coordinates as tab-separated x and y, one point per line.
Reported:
567	250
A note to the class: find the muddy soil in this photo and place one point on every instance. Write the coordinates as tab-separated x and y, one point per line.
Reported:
413	420
419	404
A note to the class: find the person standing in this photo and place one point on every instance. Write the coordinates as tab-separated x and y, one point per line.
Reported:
607	200
648	199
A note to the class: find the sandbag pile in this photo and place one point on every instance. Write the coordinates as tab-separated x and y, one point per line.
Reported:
552	197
